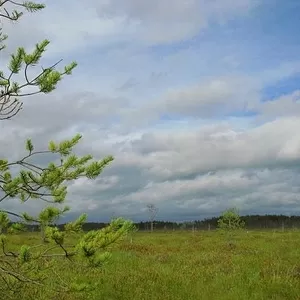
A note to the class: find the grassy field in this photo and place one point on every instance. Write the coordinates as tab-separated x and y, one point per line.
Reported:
183	265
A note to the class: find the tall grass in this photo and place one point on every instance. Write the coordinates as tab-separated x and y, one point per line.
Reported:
187	266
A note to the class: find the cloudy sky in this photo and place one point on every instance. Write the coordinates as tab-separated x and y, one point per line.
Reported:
198	100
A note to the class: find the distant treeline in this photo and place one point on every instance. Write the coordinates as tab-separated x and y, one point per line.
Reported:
252	222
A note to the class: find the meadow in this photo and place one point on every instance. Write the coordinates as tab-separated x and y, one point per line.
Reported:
183	265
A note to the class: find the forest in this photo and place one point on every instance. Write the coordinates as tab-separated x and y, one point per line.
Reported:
251	222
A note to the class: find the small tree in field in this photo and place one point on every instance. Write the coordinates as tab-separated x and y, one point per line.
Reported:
26	180
230	220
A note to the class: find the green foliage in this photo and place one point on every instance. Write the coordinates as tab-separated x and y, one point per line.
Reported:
27	180
16	14
43	182
16	228
230	220
45	82
93	241
49	184
4	221
76	226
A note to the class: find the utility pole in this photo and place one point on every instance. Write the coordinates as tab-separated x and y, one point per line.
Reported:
153	210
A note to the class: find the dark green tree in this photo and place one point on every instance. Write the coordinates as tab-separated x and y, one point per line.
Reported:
29	181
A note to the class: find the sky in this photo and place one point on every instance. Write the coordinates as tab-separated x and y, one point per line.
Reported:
197	100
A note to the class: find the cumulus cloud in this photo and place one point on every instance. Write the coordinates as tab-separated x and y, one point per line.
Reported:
175	154
163	89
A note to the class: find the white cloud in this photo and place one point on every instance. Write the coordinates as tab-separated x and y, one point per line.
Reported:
82	25
285	105
173	153
160	23
101	184
209	156
77	27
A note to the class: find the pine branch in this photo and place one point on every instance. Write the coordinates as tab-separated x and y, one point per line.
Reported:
48	182
15	15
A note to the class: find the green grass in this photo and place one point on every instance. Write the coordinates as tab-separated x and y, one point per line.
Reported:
187	266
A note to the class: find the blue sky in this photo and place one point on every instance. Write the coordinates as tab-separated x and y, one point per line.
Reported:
188	97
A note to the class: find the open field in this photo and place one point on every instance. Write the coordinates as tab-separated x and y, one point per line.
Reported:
183	265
